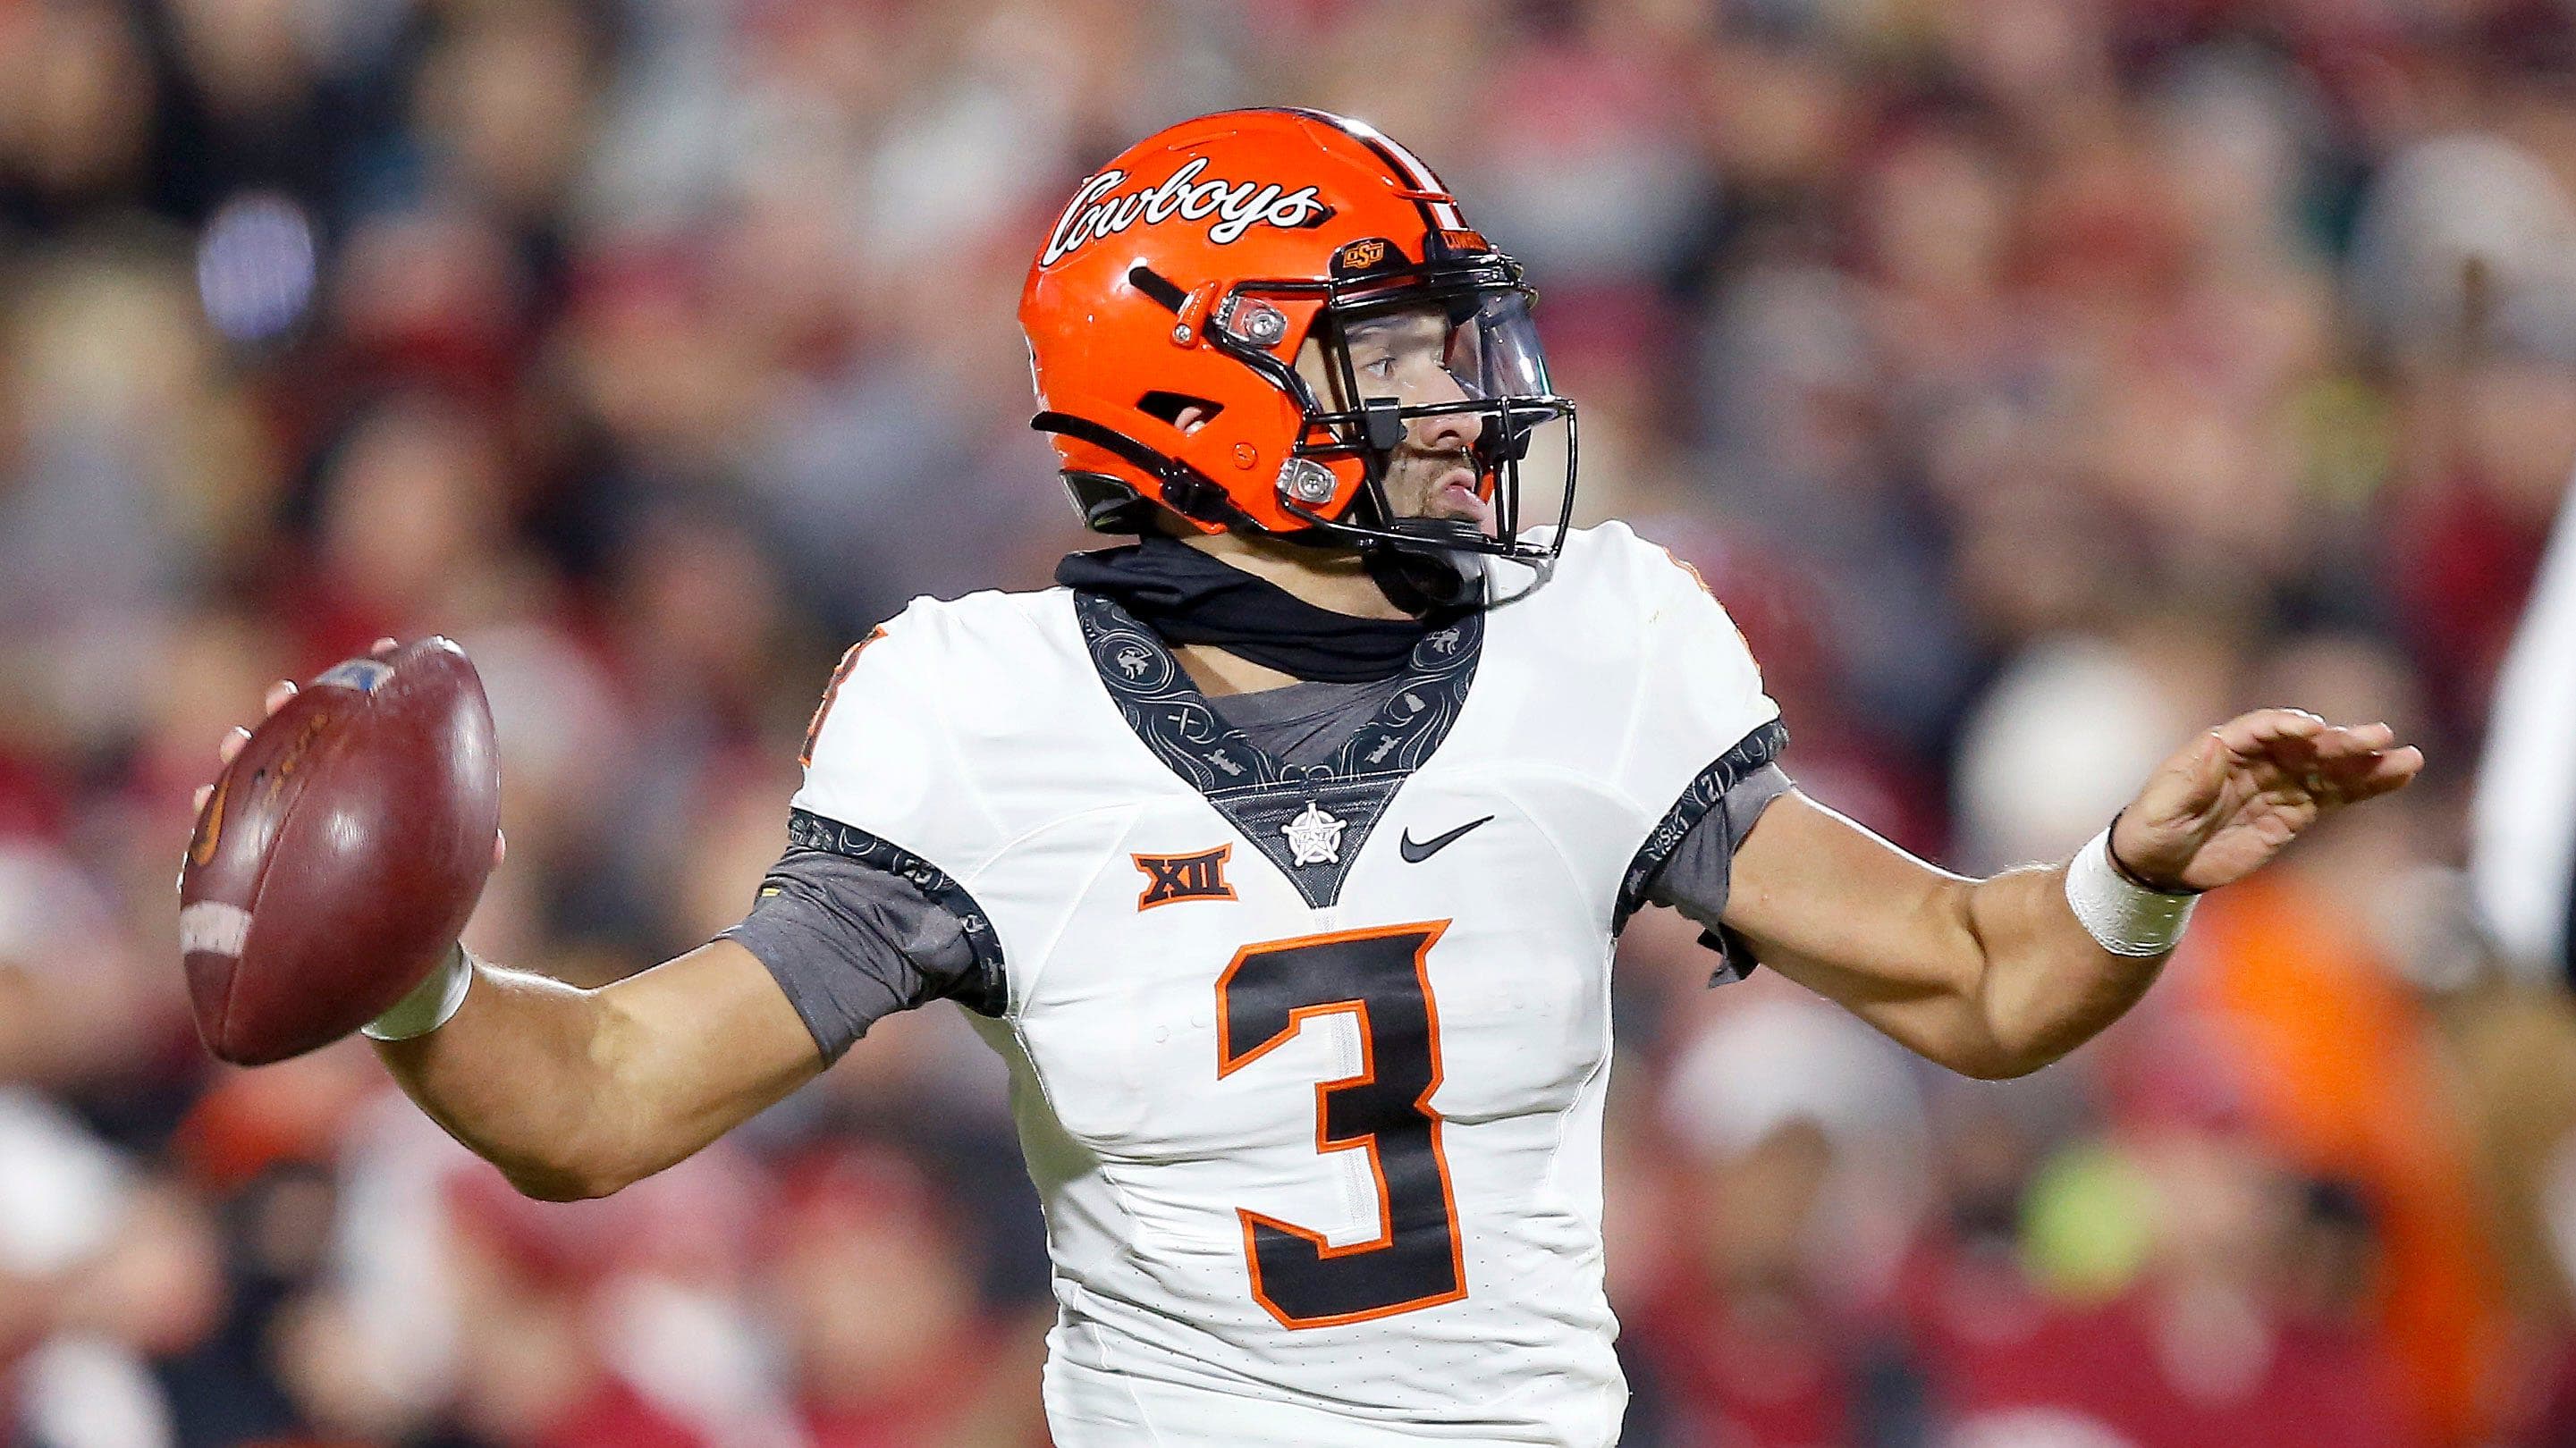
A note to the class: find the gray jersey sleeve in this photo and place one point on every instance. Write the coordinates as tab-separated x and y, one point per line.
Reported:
1695	878
852	943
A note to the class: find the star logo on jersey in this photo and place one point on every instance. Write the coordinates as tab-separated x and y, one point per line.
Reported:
1314	837
1184	877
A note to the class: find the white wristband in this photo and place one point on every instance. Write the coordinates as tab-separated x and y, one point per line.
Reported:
430	1003
2127	919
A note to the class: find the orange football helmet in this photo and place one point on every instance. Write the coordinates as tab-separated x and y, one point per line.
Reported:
1183	280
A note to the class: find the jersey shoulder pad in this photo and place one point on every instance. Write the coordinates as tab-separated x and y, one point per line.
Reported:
1701	698
881	752
1614	562
1619	591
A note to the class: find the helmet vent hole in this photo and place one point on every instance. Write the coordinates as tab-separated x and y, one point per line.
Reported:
1159	287
1168	407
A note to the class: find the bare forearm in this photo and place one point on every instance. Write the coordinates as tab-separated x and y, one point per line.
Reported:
1991	978
2000	977
2043	986
515	1076
576	1093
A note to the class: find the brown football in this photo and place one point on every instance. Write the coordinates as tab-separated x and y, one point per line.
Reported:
340	854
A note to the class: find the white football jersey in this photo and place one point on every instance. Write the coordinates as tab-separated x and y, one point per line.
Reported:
1308	1064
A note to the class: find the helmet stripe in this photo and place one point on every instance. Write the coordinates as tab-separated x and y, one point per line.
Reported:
1437	215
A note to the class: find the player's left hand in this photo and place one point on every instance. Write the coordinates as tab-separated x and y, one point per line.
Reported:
2225	804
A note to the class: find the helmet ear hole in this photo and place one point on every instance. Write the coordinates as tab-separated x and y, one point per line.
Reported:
1167	407
1109	505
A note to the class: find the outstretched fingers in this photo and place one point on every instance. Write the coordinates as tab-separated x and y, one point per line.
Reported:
2376	774
2353	741
2252	735
2298	755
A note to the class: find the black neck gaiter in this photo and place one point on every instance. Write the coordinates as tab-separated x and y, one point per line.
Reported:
1188	597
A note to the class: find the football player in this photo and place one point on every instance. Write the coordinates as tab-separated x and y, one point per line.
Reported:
1281	853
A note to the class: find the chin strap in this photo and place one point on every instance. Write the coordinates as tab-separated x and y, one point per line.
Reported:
1186	490
1428	572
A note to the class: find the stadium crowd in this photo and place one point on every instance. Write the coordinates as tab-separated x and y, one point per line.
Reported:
2036	380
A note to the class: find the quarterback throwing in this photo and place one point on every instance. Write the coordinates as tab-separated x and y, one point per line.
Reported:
1282	851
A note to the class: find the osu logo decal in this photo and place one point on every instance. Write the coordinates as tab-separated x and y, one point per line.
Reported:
1361	255
1230	208
1184	877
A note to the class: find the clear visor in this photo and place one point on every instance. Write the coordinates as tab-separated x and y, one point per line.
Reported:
1472	409
1494	350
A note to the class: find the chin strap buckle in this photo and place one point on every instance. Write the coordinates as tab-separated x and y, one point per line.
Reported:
1427	572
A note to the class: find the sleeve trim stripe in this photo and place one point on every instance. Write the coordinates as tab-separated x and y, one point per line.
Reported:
1709	786
988	993
831	692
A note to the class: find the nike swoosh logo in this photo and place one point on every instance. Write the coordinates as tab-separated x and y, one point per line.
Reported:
1415	852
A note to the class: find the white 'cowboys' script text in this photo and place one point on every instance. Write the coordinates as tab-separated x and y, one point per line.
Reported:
1237	207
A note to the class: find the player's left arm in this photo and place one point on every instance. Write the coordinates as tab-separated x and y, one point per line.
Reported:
1998	977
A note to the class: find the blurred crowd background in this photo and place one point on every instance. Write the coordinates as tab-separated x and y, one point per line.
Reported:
2036	380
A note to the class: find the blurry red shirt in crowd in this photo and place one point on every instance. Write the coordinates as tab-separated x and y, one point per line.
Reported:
1736	1375
2151	1368
874	1289
614	1415
1977	1352
541	1284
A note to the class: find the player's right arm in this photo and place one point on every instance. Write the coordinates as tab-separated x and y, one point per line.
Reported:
577	1092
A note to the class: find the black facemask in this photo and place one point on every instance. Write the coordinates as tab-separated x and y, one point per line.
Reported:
1190	597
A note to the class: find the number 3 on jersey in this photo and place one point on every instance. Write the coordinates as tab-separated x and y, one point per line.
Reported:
1379	979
